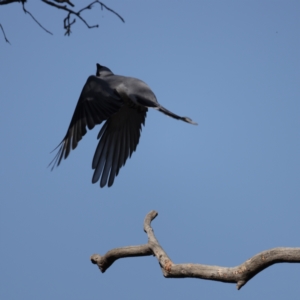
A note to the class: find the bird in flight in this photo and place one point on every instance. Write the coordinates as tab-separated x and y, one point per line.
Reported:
122	102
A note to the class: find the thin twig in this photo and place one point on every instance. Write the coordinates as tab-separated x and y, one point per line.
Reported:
67	20
7	41
27	12
109	9
68	23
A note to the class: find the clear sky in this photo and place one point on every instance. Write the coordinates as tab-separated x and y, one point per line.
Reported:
224	190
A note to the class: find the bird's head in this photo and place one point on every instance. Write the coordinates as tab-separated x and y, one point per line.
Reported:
101	70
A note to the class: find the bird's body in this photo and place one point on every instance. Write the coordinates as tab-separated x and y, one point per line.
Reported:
123	103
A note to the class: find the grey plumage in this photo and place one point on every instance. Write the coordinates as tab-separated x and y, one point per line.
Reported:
123	103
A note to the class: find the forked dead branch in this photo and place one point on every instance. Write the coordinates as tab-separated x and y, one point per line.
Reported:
240	274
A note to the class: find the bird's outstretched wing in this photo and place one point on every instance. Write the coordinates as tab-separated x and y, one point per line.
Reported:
97	102
119	138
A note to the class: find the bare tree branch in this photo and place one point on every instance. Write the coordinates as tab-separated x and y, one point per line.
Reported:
3	2
27	12
240	274
109	9
62	1
68	23
67	20
7	41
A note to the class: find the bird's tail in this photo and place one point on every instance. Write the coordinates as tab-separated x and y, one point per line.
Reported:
170	114
122	91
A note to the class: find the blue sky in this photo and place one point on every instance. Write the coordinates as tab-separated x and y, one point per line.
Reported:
224	190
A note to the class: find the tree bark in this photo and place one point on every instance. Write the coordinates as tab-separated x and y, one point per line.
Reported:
240	274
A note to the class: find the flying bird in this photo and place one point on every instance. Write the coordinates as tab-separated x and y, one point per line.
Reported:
122	102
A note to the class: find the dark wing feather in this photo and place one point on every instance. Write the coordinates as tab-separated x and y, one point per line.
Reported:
119	138
96	103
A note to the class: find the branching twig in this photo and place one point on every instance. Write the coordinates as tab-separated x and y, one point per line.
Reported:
27	12
7	41
111	10
239	275
67	21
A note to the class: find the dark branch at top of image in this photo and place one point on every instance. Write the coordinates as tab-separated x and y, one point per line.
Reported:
63	5
67	20
3	2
